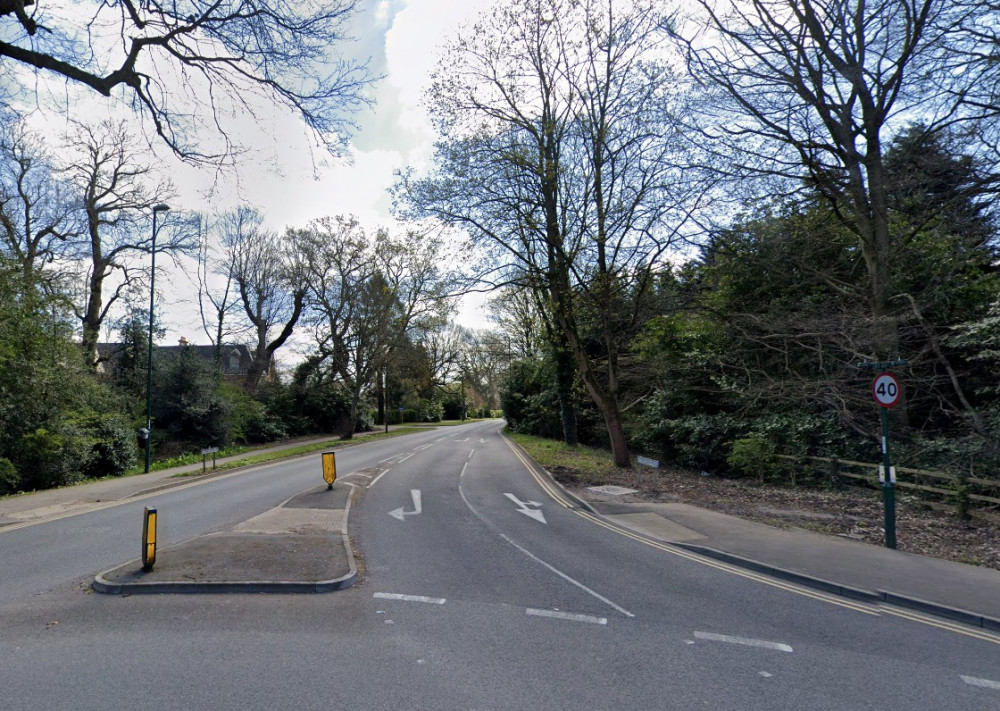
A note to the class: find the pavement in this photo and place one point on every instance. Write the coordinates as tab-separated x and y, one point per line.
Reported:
302	546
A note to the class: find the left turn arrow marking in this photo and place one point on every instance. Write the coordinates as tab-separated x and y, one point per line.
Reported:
401	514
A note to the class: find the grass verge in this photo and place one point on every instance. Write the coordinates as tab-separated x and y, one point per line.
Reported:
586	465
288	452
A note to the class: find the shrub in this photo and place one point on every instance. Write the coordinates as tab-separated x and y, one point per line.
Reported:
753	455
114	451
10	480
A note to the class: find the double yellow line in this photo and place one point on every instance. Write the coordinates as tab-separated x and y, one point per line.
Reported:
559	496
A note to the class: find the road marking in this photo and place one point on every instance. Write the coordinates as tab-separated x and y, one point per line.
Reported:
406	457
941	624
471	452
983	683
401	514
535	558
567	578
712	637
375	480
525	508
708	562
421	448
556	614
410	598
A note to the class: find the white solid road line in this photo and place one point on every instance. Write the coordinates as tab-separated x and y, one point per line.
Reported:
568	579
984	683
712	637
410	598
556	614
535	558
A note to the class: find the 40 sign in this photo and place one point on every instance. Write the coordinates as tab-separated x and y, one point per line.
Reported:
886	390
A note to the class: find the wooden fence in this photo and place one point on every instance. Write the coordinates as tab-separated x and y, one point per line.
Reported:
965	495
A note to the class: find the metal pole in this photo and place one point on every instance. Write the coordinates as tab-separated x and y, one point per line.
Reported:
149	345
888	488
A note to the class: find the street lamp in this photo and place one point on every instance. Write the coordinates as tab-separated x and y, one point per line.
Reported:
149	350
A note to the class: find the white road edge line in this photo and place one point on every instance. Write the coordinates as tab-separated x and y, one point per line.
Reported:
464	467
375	480
568	579
712	637
556	614
984	683
410	598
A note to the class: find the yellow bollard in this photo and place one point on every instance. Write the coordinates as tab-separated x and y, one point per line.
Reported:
329	468
148	539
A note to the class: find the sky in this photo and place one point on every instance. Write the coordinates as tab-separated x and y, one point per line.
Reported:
292	182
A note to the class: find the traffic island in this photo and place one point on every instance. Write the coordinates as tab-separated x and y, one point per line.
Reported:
298	547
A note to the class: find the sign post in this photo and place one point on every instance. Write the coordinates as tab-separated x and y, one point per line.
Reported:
886	391
148	539
329	469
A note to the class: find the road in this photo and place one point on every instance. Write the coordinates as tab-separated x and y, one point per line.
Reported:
483	587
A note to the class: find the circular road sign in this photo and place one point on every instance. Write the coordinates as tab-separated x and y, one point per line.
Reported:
886	390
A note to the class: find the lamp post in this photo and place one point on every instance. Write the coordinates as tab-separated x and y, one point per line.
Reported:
149	346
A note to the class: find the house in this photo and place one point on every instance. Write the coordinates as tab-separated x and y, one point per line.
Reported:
234	359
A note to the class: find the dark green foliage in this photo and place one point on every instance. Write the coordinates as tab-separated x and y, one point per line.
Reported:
114	451
186	407
9	478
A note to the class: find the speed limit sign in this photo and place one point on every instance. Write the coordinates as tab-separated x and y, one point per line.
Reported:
886	390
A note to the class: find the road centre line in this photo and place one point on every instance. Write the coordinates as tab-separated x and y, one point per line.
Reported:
762	643
982	683
556	614
873	610
593	518
535	558
568	579
410	598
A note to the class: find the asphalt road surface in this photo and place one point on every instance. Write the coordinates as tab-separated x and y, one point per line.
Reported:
482	587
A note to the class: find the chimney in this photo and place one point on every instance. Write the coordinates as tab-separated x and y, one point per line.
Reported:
183	341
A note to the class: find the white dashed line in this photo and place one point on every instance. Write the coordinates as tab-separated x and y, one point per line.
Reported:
711	637
983	683
410	598
556	614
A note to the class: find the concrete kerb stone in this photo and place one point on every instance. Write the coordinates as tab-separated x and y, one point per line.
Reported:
103	584
970	618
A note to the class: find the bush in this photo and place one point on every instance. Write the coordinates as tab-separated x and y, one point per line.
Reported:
10	480
429	411
114	451
693	441
50	459
753	456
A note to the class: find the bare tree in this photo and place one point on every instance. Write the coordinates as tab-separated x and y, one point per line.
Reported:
369	296
218	301
177	60
37	215
558	156
269	282
116	190
811	92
